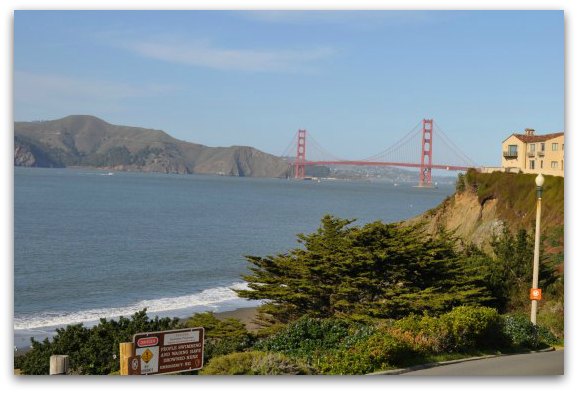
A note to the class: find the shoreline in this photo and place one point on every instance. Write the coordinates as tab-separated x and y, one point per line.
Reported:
244	314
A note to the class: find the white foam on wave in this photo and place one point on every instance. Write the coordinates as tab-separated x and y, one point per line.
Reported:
209	298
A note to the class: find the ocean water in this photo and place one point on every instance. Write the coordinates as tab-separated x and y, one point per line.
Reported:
90	245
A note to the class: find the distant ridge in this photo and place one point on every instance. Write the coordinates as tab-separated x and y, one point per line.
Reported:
84	140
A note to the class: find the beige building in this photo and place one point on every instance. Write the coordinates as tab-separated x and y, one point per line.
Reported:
530	153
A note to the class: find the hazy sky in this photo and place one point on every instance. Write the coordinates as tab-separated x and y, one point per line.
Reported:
358	81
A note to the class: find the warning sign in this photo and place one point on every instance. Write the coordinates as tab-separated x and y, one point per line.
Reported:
170	351
535	294
147	355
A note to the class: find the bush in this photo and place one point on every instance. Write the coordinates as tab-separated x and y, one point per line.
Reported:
93	351
462	329
254	363
377	352
551	316
222	337
308	336
473	327
522	334
425	334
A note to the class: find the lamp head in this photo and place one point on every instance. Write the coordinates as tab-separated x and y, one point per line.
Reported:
539	180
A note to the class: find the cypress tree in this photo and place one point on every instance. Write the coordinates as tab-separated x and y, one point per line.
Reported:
376	271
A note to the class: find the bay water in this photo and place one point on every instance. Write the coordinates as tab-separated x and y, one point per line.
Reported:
90	244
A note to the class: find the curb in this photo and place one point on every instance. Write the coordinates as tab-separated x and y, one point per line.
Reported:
400	371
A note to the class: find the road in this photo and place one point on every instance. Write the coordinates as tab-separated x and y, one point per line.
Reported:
542	363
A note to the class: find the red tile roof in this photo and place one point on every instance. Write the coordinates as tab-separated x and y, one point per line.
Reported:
537	138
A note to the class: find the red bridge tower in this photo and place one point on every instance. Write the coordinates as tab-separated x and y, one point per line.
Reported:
300	157
426	154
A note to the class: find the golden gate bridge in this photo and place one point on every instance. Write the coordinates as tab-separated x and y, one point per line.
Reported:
414	150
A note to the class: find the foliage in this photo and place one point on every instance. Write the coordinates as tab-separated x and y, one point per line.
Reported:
338	347
473	327
461	183
376	352
221	336
217	328
460	330
522	334
551	317
308	336
255	363
376	271
92	350
118	155
510	273
516	197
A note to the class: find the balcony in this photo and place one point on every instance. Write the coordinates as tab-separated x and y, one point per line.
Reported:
510	154
541	153
531	154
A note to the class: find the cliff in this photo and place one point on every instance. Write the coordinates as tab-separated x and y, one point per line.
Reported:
90	141
485	203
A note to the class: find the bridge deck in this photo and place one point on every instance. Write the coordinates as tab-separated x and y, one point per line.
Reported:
381	163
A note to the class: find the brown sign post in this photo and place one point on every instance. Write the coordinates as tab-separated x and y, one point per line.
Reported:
170	351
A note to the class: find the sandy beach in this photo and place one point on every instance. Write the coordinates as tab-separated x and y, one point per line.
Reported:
245	315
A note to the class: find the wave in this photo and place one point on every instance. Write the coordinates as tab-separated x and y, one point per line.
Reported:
214	299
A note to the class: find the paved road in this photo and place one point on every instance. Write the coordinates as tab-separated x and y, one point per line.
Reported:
542	363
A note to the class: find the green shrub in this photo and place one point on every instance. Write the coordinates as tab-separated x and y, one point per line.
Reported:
92	351
221	336
462	329
377	352
551	316
425	334
522	334
308	336
254	363
216	328
473	327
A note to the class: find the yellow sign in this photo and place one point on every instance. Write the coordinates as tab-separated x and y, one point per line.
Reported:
147	355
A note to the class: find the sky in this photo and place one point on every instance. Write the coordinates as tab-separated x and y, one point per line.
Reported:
358	81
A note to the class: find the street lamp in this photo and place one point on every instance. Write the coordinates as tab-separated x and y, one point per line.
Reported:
535	292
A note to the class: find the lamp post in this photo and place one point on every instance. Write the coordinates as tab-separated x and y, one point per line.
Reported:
535	293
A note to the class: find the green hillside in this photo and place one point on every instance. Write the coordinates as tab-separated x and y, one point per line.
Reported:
516	197
83	140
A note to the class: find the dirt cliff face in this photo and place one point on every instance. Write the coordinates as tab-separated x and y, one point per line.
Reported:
487	203
463	214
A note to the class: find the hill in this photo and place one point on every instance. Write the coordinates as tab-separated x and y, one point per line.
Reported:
82	140
485	203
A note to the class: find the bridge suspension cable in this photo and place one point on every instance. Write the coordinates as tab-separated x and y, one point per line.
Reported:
414	150
453	149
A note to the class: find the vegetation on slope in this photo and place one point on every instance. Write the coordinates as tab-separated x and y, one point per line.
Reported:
516	197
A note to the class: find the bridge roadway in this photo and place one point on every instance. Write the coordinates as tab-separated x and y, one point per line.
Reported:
381	163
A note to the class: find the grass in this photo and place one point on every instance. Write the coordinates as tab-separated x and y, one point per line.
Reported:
516	199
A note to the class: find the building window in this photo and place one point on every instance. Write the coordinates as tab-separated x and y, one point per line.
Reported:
541	164
554	147
542	146
512	150
532	164
554	165
532	147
